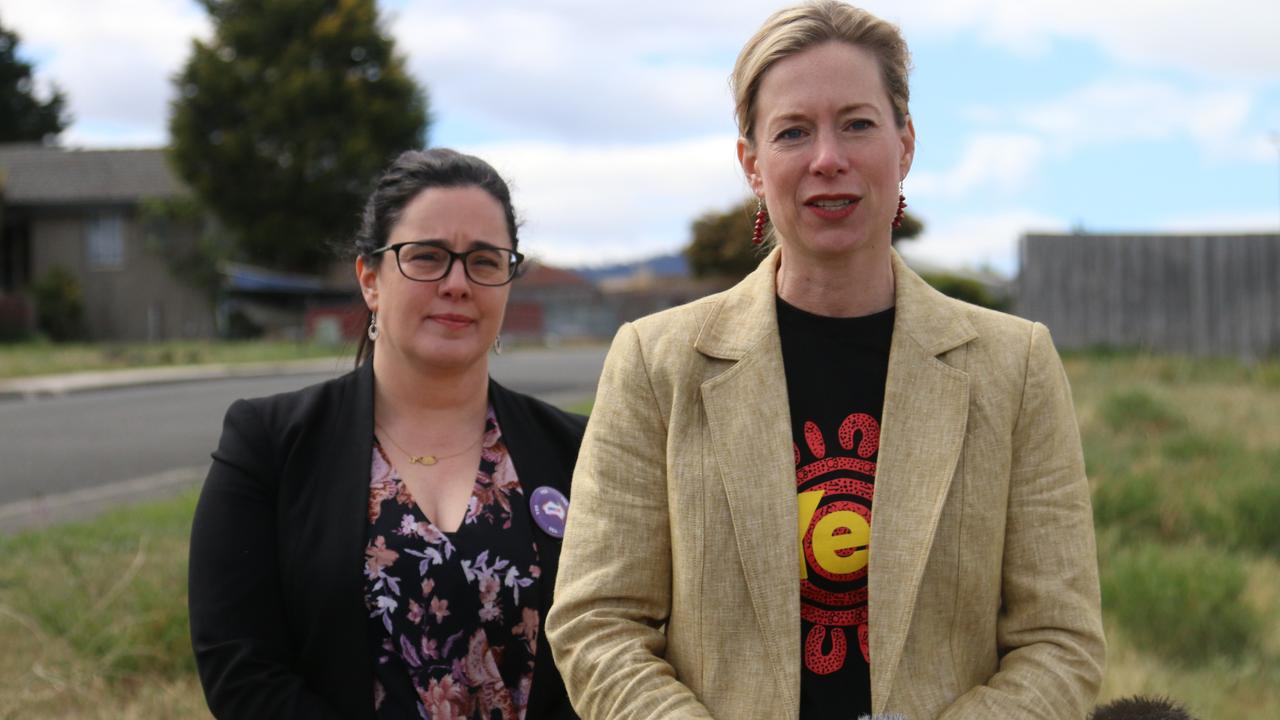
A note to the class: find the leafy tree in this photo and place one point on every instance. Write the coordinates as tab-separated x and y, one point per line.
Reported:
23	118
721	245
966	289
282	120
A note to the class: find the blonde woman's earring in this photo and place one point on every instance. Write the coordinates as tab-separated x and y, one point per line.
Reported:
497	345
902	208
762	217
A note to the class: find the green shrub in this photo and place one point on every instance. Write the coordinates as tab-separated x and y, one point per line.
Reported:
15	318
59	305
966	289
1255	513
1128	502
1137	411
1181	602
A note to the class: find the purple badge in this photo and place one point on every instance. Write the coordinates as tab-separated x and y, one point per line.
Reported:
549	507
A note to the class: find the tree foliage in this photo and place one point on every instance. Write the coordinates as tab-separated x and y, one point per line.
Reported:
282	120
23	117
59	305
967	289
721	245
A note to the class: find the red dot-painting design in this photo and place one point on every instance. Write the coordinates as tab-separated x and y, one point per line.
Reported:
843	484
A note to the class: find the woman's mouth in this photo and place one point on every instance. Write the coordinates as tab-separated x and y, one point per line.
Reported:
452	321
832	207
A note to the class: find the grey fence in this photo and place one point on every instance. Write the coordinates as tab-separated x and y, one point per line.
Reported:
1191	294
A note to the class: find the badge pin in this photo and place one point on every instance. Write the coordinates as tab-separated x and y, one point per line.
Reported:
549	507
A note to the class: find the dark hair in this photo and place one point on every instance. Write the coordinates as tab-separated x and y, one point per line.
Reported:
1141	708
407	176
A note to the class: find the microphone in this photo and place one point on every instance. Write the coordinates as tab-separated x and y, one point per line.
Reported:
1139	707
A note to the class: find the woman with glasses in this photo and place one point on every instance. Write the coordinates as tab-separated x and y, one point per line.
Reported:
385	544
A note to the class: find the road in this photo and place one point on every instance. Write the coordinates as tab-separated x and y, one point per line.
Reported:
57	445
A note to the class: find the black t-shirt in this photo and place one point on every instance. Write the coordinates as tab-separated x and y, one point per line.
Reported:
836	370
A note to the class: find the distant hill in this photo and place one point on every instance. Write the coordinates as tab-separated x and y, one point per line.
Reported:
661	266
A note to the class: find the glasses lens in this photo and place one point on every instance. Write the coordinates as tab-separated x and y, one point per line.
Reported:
423	262
489	267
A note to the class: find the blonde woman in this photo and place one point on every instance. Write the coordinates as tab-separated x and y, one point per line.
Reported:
829	490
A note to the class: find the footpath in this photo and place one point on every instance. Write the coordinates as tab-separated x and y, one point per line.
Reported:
52	385
78	504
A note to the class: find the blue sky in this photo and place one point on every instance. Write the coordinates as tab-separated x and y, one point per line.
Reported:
614	120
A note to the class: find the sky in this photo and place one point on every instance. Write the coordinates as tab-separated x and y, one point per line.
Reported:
614	120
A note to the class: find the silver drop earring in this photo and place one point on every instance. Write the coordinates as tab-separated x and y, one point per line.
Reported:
373	327
497	345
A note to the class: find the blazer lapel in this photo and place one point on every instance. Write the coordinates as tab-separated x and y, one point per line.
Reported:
749	421
923	428
340	481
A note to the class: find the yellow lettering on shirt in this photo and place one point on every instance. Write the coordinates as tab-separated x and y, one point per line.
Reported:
833	535
841	530
808	506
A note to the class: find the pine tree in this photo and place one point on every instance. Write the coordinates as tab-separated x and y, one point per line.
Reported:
24	118
282	120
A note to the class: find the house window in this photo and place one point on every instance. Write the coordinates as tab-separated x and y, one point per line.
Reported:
104	240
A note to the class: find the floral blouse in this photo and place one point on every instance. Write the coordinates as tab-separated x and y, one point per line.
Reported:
453	616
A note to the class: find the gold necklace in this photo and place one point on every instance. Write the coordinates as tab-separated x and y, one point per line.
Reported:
425	459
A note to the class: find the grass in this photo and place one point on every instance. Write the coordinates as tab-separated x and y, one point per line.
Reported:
93	618
1182	455
1184	460
42	358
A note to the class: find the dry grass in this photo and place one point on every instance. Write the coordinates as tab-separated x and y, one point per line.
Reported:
1184	459
93	618
43	358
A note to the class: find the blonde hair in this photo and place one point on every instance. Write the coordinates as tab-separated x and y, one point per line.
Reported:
794	29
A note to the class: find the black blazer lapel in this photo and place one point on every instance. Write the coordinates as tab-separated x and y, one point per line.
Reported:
543	442
336	478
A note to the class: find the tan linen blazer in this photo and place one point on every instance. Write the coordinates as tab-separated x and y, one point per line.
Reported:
679	583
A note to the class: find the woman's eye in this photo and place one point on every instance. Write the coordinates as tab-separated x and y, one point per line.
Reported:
861	125
790	134
425	254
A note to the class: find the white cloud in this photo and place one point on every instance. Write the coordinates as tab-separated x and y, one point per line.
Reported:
1260	221
113	60
1233	39
1117	111
979	240
997	161
587	204
566	73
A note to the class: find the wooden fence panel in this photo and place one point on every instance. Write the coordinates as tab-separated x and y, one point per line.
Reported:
1192	294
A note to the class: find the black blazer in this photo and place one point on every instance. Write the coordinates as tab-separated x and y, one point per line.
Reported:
276	588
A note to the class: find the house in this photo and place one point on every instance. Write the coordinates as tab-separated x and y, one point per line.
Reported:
81	211
551	304
645	292
1194	294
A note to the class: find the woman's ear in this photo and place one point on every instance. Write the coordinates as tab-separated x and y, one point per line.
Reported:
367	276
908	138
747	159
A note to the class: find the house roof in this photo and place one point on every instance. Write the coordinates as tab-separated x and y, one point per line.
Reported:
539	275
40	175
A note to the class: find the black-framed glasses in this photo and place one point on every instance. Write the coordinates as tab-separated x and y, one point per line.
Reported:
429	261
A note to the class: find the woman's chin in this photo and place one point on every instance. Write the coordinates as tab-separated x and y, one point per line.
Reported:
450	355
834	244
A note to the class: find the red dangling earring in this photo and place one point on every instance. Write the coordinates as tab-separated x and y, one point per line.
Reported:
902	206
762	217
